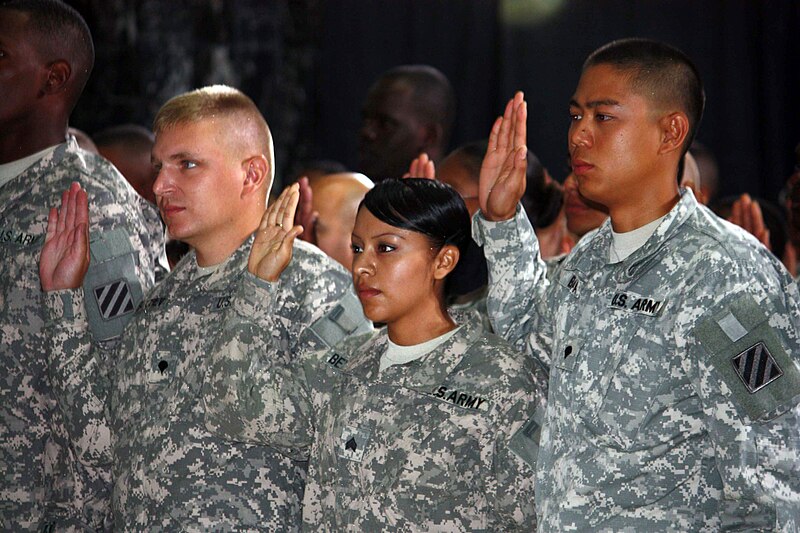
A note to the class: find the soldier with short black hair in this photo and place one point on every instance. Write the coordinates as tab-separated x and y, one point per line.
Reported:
672	336
47	55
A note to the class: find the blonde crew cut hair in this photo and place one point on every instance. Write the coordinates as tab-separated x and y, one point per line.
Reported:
220	102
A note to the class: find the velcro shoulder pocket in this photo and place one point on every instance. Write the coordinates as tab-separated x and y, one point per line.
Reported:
751	358
112	289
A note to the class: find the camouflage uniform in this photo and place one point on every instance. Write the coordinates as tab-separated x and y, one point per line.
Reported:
425	446
673	375
155	227
170	473
44	481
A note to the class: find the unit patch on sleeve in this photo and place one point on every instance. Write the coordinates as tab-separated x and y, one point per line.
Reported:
751	358
114	299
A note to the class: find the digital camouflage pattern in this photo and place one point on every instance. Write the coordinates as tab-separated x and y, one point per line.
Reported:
155	227
425	446
673	375
170	472
44	480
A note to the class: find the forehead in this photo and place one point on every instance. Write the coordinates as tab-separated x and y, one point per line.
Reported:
14	29
389	97
191	137
454	172
604	82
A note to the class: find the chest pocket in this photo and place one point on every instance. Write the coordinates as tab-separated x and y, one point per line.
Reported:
614	375
413	444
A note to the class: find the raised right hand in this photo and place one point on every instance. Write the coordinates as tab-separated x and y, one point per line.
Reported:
502	178
64	258
306	216
272	246
421	167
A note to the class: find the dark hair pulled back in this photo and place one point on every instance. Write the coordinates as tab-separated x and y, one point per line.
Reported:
426	206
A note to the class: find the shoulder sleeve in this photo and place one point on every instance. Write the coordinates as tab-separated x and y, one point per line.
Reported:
743	353
518	422
517	283
79	376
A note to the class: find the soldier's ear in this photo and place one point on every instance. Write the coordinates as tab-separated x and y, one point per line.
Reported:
674	129
58	75
256	174
445	261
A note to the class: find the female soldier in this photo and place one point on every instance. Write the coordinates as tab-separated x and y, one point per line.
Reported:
422	425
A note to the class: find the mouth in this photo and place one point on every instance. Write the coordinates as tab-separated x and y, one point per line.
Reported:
580	167
168	211
367	292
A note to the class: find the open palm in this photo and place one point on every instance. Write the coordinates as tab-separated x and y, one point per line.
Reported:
502	178
64	258
272	246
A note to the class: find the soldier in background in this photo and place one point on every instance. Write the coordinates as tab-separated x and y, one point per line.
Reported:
214	157
409	109
47	58
128	147
672	337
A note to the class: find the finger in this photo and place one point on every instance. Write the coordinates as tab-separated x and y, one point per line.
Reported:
272	211
494	135
736	213
289	209
52	222
70	208
430	171
521	127
82	204
747	213
62	221
505	127
757	217
288	239
765	240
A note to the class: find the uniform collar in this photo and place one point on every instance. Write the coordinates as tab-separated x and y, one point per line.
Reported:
425	373
597	248
233	266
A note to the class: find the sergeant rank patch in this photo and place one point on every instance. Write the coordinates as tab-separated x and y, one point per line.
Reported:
114	299
756	367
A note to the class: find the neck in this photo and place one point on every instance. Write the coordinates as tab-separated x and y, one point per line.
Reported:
428	321
21	140
633	216
214	252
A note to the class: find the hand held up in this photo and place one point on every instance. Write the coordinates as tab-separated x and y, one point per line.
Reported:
421	167
306	216
64	258
502	178
272	247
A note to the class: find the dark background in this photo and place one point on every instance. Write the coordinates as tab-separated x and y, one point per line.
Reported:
309	63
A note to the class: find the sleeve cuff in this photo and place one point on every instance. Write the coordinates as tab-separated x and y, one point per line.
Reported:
255	296
65	305
493	235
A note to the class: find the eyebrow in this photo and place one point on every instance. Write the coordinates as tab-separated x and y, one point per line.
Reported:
387	234
595	103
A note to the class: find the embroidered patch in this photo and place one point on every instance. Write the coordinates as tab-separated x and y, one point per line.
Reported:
756	367
353	443
114	299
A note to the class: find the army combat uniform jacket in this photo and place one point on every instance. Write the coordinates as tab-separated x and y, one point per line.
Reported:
170	473
673	375
44	481
444	443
